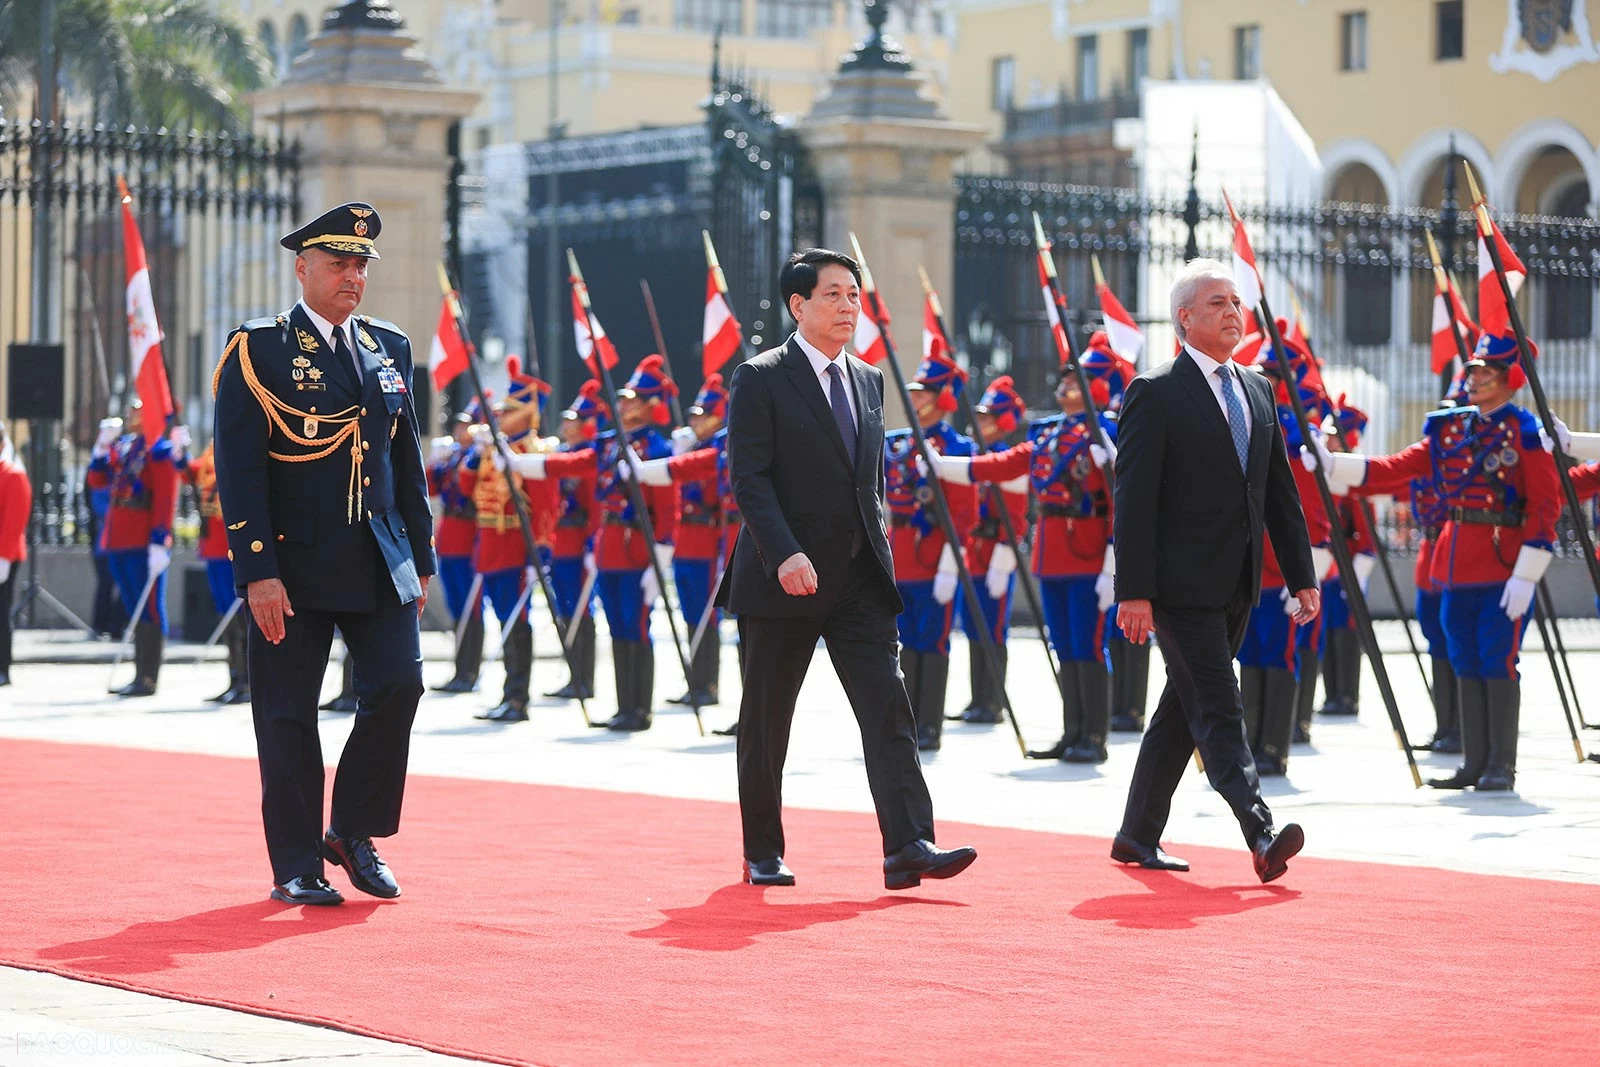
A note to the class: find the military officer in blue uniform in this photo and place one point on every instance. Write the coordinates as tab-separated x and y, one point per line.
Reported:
321	477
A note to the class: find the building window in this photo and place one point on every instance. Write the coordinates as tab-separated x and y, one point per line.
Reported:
1088	67
1002	82
1449	30
1247	52
792	18
1368	303
1568	299
709	16
298	34
1353	41
1138	58
269	44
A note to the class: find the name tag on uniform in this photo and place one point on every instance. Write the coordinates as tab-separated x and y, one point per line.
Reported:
389	380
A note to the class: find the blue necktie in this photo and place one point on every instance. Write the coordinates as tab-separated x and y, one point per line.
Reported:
1230	400
841	410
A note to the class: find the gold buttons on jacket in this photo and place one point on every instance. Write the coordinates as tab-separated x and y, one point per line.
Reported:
256	546
366	481
230	555
280	537
363	411
366	445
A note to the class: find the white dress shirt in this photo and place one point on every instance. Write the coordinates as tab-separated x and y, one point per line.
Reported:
820	364
326	328
1208	367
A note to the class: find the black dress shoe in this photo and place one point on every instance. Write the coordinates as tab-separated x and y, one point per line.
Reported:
768	872
136	688
1302	736
571	692
340	703
1125	849
307	889
361	862
1274	851
731	731
1271	766
1085	752
984	716
1450	743
631	721
1055	751
908	866
507	712
1124	723
5	679
928	740
457	685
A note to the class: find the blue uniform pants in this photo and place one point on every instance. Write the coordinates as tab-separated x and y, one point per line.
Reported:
219	576
566	578
1483	642
627	615
693	578
504	589
1073	618
455	574
1335	608
1431	619
996	613
1270	639
130	568
925	623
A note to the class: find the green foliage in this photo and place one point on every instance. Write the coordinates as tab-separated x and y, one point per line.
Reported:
174	63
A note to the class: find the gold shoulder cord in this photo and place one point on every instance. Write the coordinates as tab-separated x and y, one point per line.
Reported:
349	428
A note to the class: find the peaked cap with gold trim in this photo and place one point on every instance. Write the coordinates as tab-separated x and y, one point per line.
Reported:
347	230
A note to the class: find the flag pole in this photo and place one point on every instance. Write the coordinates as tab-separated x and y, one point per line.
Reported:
941	504
661	347
721	280
1097	432
518	499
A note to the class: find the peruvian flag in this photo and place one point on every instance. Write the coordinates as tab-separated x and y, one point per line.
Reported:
145	365
447	356
1246	276
868	341
1492	310
1444	346
933	342
1053	313
1127	340
1251	342
720	336
580	327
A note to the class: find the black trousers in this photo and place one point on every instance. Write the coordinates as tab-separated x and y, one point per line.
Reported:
7	588
285	687
863	643
1200	708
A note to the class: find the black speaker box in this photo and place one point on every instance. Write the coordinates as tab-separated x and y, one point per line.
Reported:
37	382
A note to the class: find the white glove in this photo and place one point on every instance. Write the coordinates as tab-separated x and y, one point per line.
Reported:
683	440
5	570
1518	593
481	435
1563	435
110	430
628	463
160	557
1321	561
1002	564
528	464
651	587
1585	446
944	582
589	564
439	449
1105	586
654	472
498	458
1101	455
957	470
1316	456
1363	565
664	557
181	438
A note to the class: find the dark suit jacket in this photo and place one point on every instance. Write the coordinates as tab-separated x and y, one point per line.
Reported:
794	484
1188	521
288	520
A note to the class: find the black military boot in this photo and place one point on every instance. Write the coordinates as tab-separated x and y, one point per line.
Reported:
1472	710
469	657
1094	696
1447	732
347	699
930	701
1277	721
237	638
992	709
1350	664
580	684
1071	715
1505	715
1305	696
146	661
638	713
704	670
624	671
1342	646
980	684
513	706
1130	684
1252	683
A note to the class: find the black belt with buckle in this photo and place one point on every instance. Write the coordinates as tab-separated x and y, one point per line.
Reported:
1485	517
1431	533
1066	511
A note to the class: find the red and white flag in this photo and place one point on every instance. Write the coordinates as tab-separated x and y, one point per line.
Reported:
580	327
1444	346
868	341
1127	340
1252	340
1493	314
1052	312
933	342
145	365
1246	276
720	338
447	356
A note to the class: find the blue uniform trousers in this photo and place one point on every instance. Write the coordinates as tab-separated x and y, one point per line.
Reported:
693	578
1431	618
925	623
1073	618
455	575
130	569
627	615
1483	642
1270	640
566	578
996	613
219	576
504	590
1335	608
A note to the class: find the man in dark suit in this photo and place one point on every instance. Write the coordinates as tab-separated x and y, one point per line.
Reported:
1200	469
321	479
805	452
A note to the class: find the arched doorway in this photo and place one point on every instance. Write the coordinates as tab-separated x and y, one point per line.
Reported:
1364	284
1554	183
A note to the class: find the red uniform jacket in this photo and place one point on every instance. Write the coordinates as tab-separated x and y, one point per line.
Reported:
577	515
619	546
916	540
708	519
16	502
457	528
1318	529
500	545
202	474
144	493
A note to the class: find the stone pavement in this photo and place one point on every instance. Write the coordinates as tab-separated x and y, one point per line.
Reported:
1350	789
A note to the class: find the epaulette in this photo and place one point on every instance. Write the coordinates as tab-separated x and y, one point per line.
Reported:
263	322
1531	427
383	324
1436	420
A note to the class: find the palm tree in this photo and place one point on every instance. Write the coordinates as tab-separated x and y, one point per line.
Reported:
142	62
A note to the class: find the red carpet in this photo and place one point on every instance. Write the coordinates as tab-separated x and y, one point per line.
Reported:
561	926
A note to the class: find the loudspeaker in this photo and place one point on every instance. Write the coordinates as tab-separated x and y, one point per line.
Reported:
37	382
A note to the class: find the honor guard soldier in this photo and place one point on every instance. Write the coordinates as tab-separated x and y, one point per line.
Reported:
202	474
924	563
702	539
1501	491
455	535
572	565
500	555
16	507
321	477
627	582
137	535
1429	514
990	555
1586	481
1341	659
